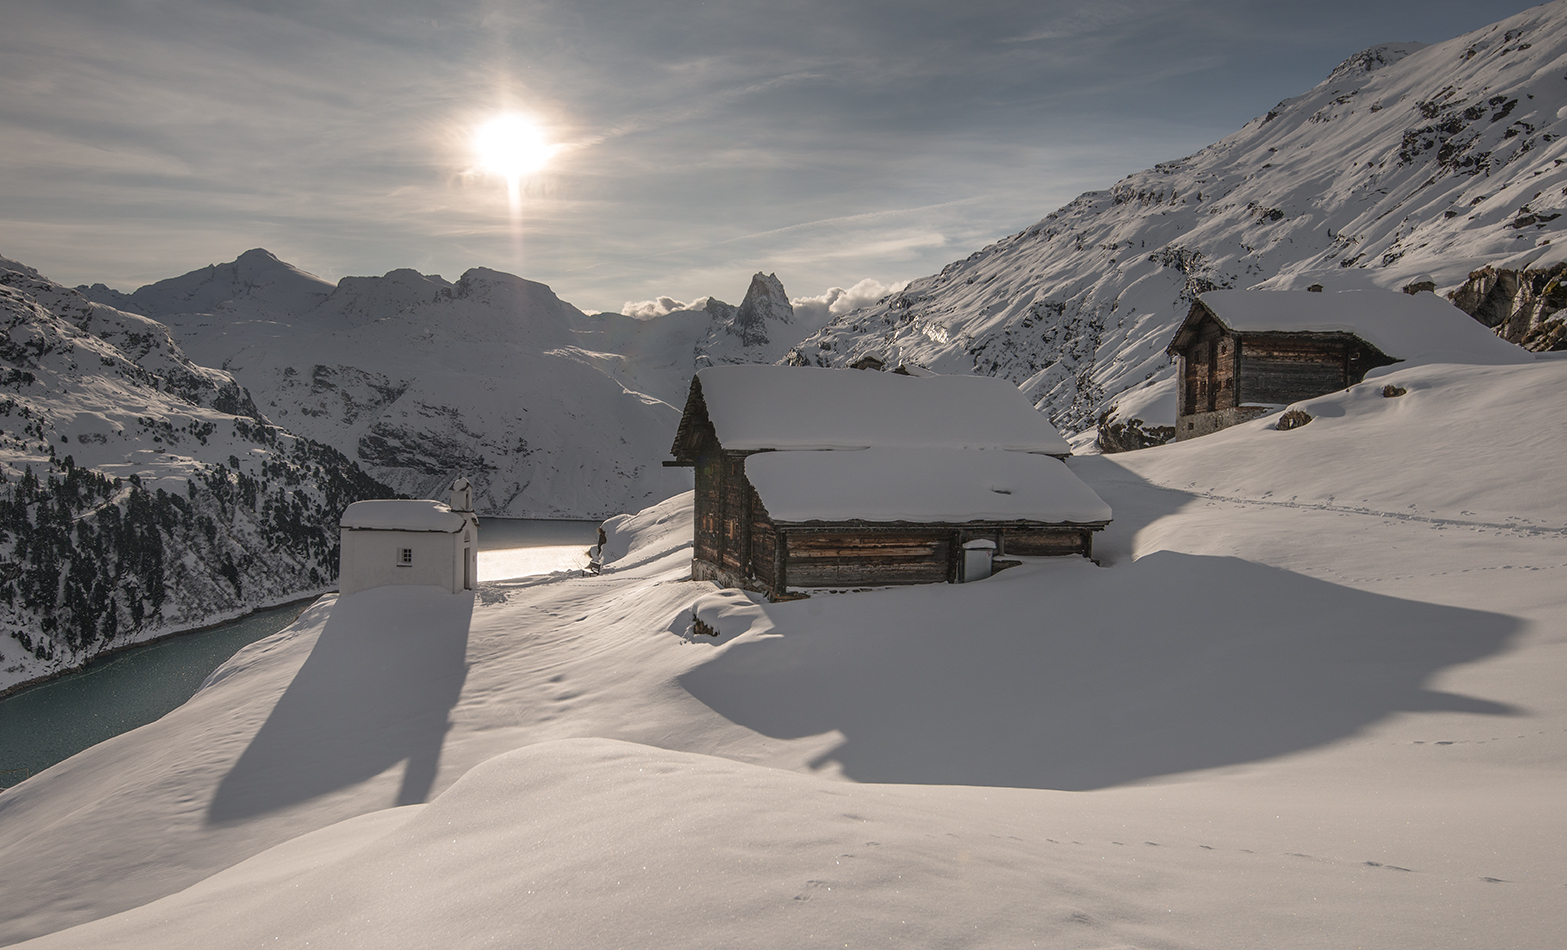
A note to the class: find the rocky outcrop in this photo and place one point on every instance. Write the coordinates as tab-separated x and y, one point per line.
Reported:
1524	306
1116	435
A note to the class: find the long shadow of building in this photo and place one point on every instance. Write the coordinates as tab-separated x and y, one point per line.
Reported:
376	690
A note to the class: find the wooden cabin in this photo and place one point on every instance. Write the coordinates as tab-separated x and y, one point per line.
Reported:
832	478
1244	353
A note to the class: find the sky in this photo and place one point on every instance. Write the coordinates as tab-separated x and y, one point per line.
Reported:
836	144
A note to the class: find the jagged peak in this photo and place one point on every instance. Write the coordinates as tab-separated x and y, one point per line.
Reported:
765	300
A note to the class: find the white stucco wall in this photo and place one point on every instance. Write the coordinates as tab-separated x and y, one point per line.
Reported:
372	558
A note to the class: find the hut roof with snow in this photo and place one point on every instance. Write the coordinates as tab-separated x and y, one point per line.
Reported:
810	477
754	407
1244	352
1400	325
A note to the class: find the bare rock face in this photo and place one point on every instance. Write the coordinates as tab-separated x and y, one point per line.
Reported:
1116	435
1525	307
765	300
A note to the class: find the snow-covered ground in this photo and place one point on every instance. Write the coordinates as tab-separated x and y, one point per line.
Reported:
1311	697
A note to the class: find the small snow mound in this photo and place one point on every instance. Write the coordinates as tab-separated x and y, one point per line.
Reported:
728	613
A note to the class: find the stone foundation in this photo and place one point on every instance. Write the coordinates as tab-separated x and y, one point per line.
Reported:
1206	423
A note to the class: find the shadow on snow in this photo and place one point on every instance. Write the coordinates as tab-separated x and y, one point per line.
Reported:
376	690
1068	676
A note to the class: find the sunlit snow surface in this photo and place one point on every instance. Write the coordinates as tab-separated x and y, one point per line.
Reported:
1310	698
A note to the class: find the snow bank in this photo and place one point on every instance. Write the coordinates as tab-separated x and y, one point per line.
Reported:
650	533
728	613
921	484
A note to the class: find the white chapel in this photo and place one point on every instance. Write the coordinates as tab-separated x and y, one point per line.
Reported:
410	541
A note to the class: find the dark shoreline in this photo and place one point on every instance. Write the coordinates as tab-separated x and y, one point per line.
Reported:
109	654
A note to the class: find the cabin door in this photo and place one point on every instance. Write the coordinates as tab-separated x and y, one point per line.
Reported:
467	569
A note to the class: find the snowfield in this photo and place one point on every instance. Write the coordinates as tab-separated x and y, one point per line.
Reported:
1311	697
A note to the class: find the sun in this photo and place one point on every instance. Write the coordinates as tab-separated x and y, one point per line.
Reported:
512	145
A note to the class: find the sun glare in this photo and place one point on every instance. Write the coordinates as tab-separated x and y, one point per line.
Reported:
512	145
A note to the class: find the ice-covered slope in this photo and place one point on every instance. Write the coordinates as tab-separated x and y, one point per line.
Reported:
140	492
548	411
1405	161
1311	698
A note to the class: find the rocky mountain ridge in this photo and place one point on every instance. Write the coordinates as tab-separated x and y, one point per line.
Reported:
549	411
1408	160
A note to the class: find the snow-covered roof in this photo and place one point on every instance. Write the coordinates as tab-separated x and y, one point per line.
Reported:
402	514
941	485
1404	326
803	407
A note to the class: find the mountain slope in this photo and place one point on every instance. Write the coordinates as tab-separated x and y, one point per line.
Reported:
549	411
141	493
1405	161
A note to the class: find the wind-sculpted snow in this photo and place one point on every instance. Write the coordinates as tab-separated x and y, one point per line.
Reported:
1407	160
141	493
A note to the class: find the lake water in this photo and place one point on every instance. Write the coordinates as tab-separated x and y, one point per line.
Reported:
53	721
517	547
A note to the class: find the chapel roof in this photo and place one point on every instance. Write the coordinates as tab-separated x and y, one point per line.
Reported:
402	514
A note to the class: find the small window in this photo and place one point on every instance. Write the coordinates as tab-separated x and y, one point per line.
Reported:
405	557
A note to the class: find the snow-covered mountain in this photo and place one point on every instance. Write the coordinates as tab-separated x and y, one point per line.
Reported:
141	493
550	412
1408	160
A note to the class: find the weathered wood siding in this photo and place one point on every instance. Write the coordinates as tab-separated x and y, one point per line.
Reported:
1208	370
847	558
764	545
1288	369
1046	542
736	496
709	508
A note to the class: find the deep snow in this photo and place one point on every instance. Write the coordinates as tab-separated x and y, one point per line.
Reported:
1311	698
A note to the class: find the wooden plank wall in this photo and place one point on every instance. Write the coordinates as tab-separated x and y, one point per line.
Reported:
855	559
1045	542
736	501
709	509
1288	370
764	546
1208	369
